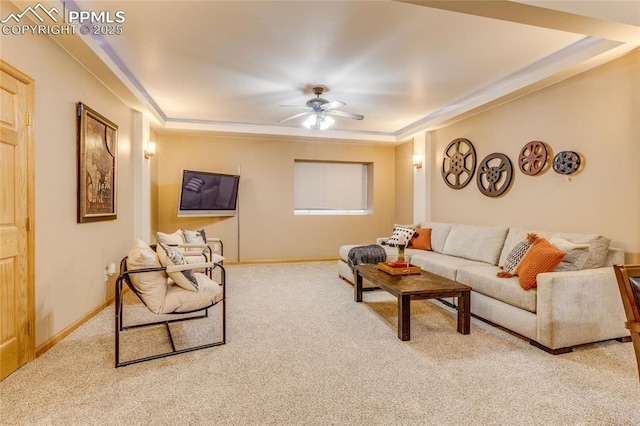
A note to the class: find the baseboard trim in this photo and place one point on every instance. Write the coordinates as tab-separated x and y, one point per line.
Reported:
250	262
70	329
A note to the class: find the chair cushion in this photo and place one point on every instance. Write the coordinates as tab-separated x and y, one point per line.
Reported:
151	286
181	300
170	256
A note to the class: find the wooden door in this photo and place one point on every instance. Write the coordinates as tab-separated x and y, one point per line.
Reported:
16	220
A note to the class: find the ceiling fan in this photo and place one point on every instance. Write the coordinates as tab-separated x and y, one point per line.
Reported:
320	111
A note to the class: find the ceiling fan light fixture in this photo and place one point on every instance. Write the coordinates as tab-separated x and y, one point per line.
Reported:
318	121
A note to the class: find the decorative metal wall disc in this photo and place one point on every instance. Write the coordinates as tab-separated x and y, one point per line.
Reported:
533	158
566	162
494	175
458	163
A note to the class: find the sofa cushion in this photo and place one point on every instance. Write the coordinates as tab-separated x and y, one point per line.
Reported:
441	264
483	280
481	243
439	234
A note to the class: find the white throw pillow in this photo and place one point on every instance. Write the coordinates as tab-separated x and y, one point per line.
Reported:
170	239
575	255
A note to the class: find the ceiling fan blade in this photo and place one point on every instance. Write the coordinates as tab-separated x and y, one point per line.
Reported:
332	105
294	116
294	106
345	114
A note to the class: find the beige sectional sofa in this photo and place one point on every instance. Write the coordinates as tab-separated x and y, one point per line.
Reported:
577	303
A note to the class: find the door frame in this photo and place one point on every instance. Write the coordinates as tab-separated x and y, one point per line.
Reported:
31	226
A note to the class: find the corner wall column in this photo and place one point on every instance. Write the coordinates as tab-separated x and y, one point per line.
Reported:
422	178
141	178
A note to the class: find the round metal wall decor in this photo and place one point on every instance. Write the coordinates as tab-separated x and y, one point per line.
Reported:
533	158
566	162
494	175
458	163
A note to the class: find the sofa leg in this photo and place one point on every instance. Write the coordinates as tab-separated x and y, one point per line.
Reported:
558	351
625	339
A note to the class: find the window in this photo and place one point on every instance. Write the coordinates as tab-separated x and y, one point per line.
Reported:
330	188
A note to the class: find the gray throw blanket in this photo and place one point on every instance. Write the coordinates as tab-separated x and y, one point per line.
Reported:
366	255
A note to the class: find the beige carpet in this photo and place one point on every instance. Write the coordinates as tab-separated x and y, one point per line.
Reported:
300	351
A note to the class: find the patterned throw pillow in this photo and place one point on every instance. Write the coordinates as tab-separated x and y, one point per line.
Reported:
169	256
516	255
194	237
194	184
542	257
400	234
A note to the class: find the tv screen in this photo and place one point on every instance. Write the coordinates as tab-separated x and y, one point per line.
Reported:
208	194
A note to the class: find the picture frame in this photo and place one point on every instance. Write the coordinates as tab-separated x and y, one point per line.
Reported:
97	166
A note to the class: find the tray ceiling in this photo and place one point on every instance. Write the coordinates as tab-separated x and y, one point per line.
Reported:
406	66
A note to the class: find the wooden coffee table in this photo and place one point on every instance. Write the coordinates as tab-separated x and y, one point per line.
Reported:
418	286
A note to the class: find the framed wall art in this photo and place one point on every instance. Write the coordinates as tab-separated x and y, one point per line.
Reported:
97	166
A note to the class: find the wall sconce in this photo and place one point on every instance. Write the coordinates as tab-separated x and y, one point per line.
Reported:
417	161
151	150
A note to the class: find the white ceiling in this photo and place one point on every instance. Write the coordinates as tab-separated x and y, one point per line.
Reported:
407	67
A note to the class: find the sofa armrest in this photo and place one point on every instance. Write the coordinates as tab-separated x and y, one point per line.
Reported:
380	240
577	307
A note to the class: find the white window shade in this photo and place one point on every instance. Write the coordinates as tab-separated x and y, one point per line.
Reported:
330	188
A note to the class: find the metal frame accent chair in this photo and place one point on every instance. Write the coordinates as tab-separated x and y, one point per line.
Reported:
167	284
629	283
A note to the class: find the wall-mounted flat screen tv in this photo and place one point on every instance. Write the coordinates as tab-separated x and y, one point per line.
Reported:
208	194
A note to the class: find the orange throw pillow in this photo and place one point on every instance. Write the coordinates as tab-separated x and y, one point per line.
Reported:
542	257
422	241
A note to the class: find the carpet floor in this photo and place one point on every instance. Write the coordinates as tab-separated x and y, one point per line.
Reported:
300	351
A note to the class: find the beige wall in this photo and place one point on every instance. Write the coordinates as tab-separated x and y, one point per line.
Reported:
70	257
266	225
596	114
